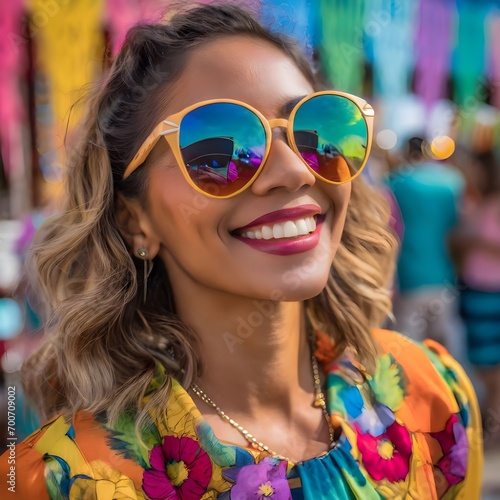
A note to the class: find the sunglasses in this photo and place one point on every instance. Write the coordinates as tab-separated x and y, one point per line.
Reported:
222	145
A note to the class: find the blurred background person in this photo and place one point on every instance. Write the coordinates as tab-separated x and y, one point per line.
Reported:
476	244
429	195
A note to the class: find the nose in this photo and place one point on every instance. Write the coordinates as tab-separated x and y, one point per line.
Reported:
283	168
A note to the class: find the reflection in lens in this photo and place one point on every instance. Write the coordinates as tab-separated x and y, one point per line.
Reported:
222	146
331	135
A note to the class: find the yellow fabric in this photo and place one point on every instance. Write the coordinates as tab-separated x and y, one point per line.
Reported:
171	423
61	445
108	484
69	45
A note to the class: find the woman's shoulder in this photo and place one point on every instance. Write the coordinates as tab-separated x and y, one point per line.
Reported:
433	383
61	456
419	400
24	464
422	382
91	458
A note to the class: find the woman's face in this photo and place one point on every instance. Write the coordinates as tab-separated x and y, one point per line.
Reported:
202	240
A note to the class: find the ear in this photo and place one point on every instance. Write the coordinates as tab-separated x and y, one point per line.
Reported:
134	226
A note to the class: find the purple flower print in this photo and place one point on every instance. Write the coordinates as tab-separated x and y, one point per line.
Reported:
454	443
264	480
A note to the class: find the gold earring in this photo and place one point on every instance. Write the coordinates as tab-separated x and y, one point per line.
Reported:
143	254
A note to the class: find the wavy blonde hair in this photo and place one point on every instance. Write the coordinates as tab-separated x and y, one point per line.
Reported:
102	340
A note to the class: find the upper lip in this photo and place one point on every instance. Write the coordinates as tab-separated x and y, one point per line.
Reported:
283	215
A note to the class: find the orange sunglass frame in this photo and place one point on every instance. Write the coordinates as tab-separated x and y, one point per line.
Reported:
170	127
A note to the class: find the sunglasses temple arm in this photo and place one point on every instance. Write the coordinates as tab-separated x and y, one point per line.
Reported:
149	144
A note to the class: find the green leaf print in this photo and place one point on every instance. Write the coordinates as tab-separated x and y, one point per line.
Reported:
56	478
388	382
122	438
223	455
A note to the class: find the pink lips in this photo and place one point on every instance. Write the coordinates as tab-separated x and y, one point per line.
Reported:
285	246
282	215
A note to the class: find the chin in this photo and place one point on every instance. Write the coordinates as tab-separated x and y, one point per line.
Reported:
304	292
308	279
296	286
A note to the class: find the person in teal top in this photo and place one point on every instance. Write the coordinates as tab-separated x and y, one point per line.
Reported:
429	195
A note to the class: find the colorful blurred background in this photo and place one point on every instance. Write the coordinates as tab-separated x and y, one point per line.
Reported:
431	69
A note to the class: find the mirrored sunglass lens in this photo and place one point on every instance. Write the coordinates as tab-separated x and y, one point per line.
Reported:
222	146
331	135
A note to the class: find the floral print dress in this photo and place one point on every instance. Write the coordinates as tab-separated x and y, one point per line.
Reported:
409	431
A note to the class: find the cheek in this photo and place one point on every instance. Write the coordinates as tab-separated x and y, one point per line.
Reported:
341	194
340	197
184	220
186	227
174	203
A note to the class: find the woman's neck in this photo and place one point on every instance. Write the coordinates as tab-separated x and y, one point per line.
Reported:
257	369
255	354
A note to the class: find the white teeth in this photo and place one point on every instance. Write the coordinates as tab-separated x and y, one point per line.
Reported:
278	231
267	232
302	226
311	224
288	229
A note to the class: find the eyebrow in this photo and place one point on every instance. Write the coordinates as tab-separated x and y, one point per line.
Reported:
287	108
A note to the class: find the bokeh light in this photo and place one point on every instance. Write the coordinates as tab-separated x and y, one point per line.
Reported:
387	139
442	147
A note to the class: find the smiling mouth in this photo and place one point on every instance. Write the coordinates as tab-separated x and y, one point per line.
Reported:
281	230
288	236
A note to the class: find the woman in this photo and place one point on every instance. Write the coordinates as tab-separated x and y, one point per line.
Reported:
478	242
201	337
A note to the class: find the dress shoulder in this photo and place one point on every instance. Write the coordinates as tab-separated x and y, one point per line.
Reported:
23	464
63	460
439	399
432	389
412	422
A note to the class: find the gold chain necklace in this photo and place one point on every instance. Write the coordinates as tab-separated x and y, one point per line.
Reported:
319	401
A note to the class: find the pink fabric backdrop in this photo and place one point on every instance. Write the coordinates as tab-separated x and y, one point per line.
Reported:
12	61
122	14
